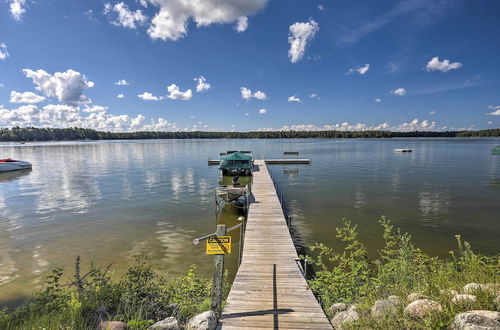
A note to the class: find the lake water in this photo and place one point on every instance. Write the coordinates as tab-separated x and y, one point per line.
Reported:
108	201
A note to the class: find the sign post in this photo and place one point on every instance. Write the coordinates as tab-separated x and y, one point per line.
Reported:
216	304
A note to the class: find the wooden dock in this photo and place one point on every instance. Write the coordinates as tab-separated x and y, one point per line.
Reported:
282	161
269	291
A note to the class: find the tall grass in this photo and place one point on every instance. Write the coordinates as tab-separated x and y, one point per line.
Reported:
140	298
347	275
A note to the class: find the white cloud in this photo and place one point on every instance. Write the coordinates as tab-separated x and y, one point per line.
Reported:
399	91
259	95
122	82
124	16
120	96
321	7
361	70
443	66
95	108
247	114
3	51
298	37
241	24
293	98
176	94
432	112
262	111
414	125
143	3
26	97
96	117
490	122
247	94
378	100
496	110
314	96
147	96
201	84
172	20
17	9
67	87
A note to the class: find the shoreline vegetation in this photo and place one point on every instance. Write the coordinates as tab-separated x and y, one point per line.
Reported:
27	134
355	292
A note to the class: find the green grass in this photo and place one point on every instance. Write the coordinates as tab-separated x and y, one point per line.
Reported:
348	276
140	298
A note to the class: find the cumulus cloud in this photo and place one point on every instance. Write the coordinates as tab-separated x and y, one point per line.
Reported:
293	98
314	96
96	117
172	20
17	9
378	100
201	84
443	66
26	97
414	125
147	96
361	70
496	110
122	82
298	37
321	7
262	111
247	94
3	51
241	24
120	96
399	91
176	94
121	15
68	87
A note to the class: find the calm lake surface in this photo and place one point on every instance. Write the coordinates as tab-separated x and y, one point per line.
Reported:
108	201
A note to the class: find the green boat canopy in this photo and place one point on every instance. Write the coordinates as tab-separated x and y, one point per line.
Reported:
236	160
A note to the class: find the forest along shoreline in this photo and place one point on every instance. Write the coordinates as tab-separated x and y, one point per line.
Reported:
26	134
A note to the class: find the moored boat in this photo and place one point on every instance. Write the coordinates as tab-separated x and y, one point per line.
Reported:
8	164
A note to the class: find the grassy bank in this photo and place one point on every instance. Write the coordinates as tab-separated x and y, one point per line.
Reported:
140	298
346	275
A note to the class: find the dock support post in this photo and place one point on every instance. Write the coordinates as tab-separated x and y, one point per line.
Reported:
216	304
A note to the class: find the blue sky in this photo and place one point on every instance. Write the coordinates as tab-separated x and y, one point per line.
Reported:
295	64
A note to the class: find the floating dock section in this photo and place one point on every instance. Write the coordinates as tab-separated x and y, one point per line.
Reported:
283	161
270	291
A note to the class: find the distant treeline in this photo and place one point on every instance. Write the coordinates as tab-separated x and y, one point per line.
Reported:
71	134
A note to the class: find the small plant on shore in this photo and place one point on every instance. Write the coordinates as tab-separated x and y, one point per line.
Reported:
348	276
140	298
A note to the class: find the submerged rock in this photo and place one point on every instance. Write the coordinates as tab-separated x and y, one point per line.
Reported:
422	307
170	323
112	325
203	321
462	298
384	307
477	320
415	296
350	315
338	307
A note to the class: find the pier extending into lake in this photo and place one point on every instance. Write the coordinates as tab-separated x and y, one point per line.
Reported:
269	290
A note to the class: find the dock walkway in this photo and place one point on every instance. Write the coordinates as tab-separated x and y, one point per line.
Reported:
269	290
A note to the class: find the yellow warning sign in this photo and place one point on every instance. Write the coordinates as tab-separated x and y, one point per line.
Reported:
219	245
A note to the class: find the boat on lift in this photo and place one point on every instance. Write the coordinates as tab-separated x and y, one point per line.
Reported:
8	164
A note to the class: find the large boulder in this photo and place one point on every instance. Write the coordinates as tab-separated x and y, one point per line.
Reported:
415	296
421	308
463	298
338	307
170	323
203	321
477	320
349	315
112	325
384	307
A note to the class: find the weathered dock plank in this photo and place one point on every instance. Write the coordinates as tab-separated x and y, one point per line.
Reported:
269	291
